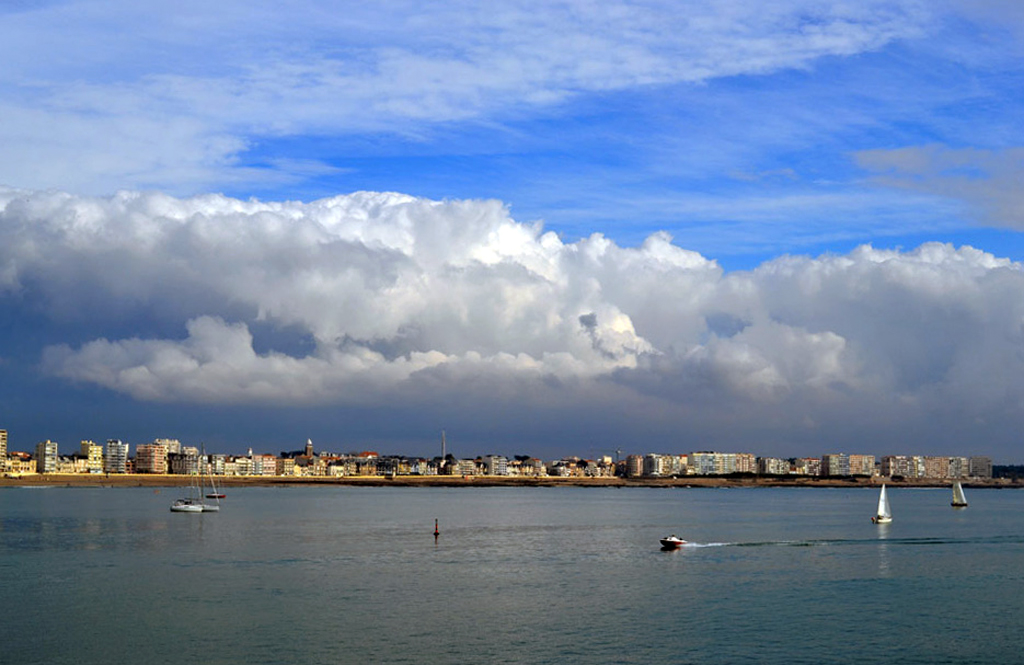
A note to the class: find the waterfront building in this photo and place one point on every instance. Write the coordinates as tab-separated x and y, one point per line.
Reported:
725	463
959	467
3	450
980	467
807	466
243	466
529	467
264	465
772	466
560	469
173	445
634	466
707	463
115	456
217	463
654	465
745	463
465	467
92	453
46	457
936	467
702	463
77	463
673	465
185	463
151	458
286	467
862	465
835	465
19	463
495	465
900	465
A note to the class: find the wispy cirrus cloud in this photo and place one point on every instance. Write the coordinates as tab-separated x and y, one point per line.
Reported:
991	181
174	106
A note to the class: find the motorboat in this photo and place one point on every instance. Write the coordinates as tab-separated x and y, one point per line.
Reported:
672	542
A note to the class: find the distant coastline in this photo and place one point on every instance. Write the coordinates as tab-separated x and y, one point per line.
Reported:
157	481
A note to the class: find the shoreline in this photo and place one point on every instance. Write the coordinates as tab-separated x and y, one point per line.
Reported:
159	480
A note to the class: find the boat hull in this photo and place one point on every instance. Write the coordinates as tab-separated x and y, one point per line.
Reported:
881	520
186	507
672	543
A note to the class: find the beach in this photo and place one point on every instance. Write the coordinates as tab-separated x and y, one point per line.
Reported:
169	480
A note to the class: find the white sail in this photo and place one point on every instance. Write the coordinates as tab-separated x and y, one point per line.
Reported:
883	513
958	495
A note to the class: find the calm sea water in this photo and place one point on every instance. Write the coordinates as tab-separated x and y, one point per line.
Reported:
518	575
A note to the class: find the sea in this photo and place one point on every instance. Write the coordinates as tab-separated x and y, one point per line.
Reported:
337	574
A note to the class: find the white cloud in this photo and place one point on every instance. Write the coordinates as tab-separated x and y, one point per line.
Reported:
408	300
132	104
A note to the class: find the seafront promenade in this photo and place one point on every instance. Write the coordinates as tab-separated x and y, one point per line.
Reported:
171	480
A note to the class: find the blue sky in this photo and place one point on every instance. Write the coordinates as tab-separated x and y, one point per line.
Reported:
577	203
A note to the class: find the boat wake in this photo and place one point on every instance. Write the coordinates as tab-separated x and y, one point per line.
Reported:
918	542
701	545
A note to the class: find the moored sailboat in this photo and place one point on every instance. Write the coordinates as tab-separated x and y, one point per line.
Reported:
959	500
208	507
883	515
193	503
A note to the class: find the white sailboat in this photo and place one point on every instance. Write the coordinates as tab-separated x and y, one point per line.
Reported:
959	500
193	503
883	514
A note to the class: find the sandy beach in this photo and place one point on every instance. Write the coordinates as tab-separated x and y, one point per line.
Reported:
160	480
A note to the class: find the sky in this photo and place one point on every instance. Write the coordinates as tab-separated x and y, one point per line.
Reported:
789	228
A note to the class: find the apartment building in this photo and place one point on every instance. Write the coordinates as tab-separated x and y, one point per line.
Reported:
46	457
115	456
151	458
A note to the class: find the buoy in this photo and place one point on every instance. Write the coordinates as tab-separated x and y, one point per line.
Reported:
436	532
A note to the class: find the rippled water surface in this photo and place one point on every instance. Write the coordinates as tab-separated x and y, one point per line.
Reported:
518	575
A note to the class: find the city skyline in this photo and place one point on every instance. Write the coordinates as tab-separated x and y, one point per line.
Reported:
172	445
564	228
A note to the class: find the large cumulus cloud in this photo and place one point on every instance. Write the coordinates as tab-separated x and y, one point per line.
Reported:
384	298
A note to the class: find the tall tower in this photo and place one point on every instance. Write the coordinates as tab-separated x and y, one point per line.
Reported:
309	447
443	446
46	457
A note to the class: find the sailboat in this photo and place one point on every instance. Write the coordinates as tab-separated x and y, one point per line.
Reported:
193	503
959	500
208	507
883	514
213	493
